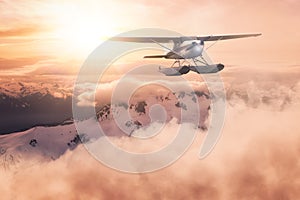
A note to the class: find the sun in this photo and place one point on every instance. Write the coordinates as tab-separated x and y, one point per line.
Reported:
82	28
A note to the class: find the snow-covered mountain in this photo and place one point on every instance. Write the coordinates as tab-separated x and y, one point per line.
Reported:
22	88
43	143
27	104
49	143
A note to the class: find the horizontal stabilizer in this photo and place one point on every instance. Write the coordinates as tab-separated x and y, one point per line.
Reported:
155	56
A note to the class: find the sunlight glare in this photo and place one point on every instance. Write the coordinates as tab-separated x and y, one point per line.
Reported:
83	29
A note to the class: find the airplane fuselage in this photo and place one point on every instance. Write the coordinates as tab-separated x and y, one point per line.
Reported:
187	51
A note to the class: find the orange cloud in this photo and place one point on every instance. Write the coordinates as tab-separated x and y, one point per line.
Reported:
8	64
55	67
25	31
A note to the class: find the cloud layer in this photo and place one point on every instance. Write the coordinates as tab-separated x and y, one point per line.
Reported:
255	159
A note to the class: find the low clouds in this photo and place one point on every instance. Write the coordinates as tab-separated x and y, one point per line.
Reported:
268	88
256	158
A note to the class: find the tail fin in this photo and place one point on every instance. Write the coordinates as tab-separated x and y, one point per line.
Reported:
155	56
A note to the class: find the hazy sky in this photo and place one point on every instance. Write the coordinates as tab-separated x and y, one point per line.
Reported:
54	37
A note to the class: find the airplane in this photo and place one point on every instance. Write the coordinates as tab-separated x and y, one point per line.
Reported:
181	51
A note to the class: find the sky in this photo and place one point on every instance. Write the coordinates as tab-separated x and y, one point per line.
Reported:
55	37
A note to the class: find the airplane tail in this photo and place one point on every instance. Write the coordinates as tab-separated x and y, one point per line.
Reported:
155	56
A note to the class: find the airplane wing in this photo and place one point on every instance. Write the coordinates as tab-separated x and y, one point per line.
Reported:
150	39
183	38
226	37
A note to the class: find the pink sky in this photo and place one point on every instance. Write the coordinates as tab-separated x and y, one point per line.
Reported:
62	33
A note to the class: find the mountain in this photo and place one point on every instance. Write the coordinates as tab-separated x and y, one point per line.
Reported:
23	112
44	143
25	105
49	143
16	89
141	110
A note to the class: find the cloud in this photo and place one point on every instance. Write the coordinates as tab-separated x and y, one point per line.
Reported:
25	31
253	160
54	67
271	88
38	65
257	156
9	64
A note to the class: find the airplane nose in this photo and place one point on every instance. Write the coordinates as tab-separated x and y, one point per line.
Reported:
220	66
